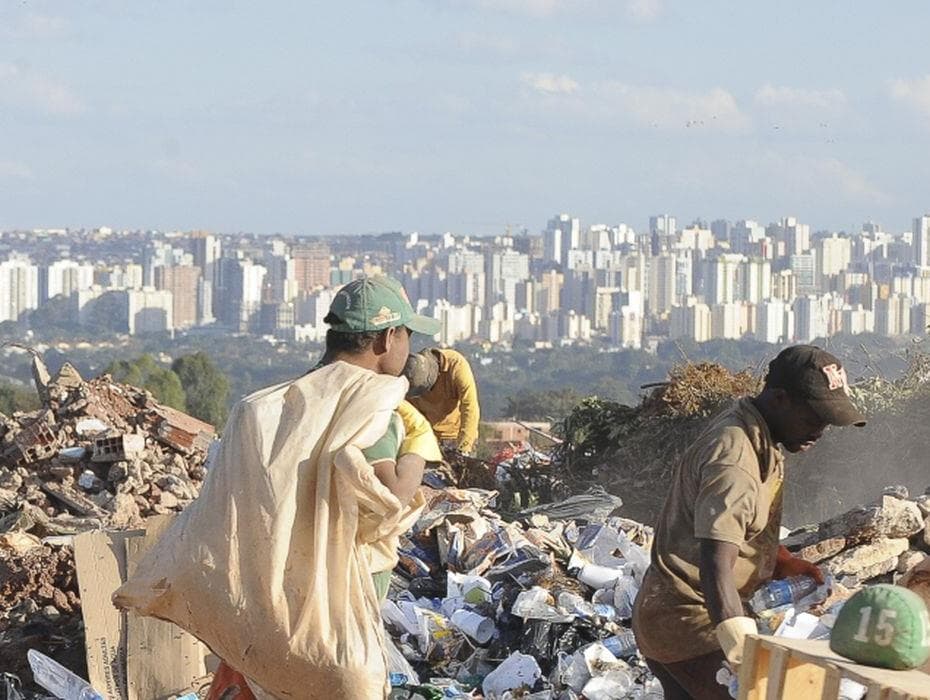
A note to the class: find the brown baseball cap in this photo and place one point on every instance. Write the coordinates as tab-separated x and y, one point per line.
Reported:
814	375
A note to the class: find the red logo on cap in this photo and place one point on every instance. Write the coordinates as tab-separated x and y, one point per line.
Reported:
836	376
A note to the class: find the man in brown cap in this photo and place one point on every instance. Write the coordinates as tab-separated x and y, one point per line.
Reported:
716	539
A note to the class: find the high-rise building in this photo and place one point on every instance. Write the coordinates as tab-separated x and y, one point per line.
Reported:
64	277
893	315
206	249
626	328
728	320
755	277
504	271
692	321
660	294
549	294
148	310
833	255
855	320
311	266
805	271
811	318
921	241
795	236
562	234
721	278
774	321
19	288
744	235
184	283
662	229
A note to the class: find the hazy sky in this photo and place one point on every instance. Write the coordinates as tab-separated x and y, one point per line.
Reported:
462	115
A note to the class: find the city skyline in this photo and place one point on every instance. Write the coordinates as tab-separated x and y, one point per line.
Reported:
612	285
460	115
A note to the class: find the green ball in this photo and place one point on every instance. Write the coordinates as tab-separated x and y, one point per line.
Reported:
885	626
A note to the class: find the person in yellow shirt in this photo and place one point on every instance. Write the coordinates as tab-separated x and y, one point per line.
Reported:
442	388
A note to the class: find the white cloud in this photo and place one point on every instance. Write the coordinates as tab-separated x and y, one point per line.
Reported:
35	27
775	96
644	10
534	8
13	170
671	108
487	43
827	175
19	86
915	93
549	83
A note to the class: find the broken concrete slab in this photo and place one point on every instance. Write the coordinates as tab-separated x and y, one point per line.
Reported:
869	560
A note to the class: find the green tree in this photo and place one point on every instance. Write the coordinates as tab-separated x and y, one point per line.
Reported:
548	405
205	387
146	373
14	398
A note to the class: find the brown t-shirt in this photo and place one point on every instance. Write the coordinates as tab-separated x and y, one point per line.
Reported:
727	487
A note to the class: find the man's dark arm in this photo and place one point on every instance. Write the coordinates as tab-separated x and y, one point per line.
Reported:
720	594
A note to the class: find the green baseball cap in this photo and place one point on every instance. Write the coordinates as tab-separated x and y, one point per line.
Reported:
375	303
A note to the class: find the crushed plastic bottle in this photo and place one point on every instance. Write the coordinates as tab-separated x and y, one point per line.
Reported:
622	645
58	680
776	594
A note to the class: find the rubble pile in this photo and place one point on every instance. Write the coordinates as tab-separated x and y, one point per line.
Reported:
862	545
96	454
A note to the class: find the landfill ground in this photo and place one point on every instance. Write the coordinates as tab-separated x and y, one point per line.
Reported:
517	580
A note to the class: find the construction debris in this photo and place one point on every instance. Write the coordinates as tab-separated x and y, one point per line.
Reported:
97	455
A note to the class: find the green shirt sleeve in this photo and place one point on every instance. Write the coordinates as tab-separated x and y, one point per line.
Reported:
388	445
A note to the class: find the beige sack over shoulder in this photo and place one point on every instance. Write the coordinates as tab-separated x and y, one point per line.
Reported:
269	566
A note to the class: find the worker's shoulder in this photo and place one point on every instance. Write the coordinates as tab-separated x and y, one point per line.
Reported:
727	441
450	359
451	355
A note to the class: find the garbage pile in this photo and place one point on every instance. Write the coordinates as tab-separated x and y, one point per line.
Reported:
530	607
539	606
96	454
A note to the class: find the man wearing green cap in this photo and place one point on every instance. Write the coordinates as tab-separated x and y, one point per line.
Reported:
716	539
370	323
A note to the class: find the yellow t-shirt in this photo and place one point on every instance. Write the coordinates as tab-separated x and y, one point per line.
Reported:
727	487
451	406
413	432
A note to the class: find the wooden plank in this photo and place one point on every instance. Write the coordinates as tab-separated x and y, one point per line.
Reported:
914	683
875	692
803	679
831	683
180	656
778	667
747	670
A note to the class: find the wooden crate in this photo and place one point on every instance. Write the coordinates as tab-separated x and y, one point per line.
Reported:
775	668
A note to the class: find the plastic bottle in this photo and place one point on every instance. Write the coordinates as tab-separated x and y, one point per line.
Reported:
58	680
785	591
622	645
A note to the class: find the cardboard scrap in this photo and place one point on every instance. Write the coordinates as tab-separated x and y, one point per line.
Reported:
130	658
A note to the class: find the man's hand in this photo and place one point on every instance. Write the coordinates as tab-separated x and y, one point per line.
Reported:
787	565
731	634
